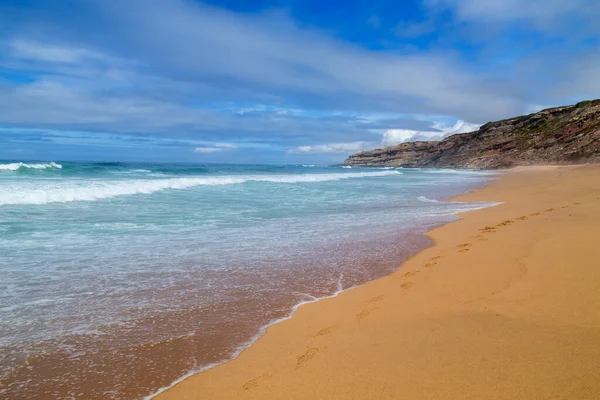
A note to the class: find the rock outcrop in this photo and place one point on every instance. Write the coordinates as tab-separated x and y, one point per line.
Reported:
561	135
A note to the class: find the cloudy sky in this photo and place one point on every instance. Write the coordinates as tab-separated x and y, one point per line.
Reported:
279	81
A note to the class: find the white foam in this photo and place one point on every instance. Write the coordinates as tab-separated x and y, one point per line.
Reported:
68	191
19	165
250	342
427	200
133	171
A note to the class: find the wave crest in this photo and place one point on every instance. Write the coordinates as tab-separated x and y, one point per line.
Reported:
96	190
20	165
427	200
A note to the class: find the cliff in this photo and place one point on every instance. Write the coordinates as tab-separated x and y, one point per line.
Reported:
561	135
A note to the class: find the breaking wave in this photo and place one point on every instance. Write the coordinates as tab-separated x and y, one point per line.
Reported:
96	190
20	165
427	200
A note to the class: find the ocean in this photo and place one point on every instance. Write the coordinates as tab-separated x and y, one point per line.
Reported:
117	279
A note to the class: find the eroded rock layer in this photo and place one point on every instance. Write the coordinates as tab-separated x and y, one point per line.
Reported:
561	135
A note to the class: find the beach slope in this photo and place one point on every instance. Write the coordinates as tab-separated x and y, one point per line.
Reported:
505	305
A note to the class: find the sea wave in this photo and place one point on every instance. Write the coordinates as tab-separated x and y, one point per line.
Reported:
310	299
20	165
427	200
70	191
133	171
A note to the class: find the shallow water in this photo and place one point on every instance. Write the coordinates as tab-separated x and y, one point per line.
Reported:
119	278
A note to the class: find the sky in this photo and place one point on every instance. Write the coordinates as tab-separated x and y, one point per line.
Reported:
279	81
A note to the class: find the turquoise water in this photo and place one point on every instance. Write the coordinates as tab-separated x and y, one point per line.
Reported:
102	261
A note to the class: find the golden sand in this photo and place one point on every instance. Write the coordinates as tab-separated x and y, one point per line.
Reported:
505	305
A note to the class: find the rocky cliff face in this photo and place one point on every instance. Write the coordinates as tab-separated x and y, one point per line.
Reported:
562	135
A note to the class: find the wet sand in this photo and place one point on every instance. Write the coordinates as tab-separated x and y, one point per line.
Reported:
134	359
505	305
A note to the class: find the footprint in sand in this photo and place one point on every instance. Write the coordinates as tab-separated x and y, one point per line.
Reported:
306	357
325	331
432	262
364	314
506	223
488	229
377	299
409	274
253	383
522	218
565	207
549	209
577	203
464	247
534	214
406	285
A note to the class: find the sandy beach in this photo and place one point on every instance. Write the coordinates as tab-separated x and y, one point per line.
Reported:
505	305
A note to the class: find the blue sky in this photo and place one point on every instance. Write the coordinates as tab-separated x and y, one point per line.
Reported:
278	81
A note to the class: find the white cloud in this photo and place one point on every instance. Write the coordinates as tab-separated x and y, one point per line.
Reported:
215	147
351	147
394	136
36	51
207	150
265	108
390	137
542	13
278	59
225	145
156	69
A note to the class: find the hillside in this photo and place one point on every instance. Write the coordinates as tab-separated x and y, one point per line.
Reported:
561	135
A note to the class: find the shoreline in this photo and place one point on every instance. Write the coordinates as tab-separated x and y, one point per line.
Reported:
267	351
178	336
263	329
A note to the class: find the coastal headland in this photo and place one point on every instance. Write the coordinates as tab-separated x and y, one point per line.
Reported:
504	305
558	136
